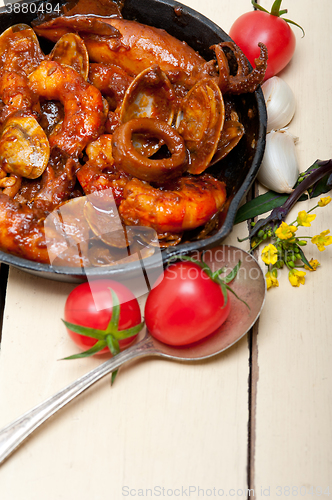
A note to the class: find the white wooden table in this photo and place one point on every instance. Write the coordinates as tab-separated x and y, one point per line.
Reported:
257	417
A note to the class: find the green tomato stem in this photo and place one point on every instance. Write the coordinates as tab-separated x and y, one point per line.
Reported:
275	11
90	352
105	338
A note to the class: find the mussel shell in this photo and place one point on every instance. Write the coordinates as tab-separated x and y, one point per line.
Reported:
24	147
71	50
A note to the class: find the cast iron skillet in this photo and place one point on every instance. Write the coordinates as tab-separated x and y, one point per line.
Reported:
238	169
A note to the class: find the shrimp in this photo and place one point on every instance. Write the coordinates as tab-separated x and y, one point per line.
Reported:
99	172
16	94
57	182
19	49
22	230
22	218
111	80
189	202
84	111
23	234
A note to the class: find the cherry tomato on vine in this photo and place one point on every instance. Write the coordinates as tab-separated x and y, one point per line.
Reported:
269	28
187	305
115	321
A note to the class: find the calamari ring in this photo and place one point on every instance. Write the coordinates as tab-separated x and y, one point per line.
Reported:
128	159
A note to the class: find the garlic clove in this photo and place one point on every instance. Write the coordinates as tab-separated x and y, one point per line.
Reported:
279	170
280	103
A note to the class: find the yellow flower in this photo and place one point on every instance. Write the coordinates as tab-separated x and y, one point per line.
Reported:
314	264
271	280
285	232
270	254
304	219
296	277
324	201
321	240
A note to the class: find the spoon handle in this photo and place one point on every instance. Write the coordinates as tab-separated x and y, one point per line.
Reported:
15	433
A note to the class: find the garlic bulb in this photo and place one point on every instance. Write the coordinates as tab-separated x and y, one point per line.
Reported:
280	103
279	170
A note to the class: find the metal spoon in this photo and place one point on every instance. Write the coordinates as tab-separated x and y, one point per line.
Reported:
249	285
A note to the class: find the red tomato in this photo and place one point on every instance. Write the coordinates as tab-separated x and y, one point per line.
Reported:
273	31
185	306
80	309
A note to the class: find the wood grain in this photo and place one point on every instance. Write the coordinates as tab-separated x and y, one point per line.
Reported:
176	425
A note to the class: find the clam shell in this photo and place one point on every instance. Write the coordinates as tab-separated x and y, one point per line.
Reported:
71	50
24	147
200	123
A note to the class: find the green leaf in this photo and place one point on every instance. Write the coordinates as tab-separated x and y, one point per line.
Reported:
320	188
270	200
90	352
85	330
260	205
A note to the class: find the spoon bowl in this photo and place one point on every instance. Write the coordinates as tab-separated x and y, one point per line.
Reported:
249	285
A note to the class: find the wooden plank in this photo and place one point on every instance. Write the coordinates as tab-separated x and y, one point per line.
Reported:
293	414
158	425
162	425
3	288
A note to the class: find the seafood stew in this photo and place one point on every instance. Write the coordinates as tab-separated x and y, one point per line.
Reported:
215	177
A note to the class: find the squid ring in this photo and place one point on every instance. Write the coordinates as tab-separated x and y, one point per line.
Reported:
131	161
